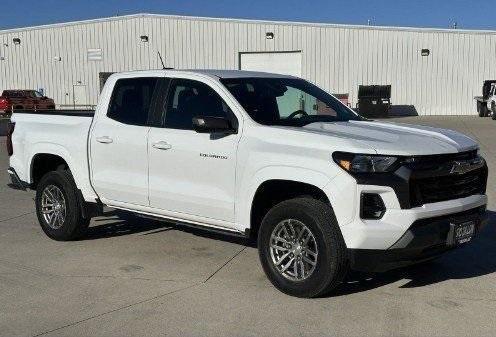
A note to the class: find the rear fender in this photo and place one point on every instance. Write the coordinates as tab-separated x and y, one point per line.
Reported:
79	170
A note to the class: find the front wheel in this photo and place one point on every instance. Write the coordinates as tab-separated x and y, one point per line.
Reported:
57	207
301	248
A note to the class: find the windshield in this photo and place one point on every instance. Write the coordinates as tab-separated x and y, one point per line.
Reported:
287	101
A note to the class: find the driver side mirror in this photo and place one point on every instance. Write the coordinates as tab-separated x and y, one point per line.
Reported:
213	125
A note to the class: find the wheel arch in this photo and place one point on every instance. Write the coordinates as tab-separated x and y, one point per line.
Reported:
42	163
46	157
275	184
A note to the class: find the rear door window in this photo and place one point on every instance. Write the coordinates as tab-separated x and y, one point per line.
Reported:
132	99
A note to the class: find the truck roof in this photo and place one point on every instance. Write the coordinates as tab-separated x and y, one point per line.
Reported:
235	73
217	73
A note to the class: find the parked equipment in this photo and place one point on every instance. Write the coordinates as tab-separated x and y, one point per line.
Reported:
491	102
374	100
483	108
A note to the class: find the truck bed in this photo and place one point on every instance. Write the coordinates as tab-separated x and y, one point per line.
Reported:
59	132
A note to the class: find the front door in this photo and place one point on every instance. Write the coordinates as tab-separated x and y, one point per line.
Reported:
119	141
193	174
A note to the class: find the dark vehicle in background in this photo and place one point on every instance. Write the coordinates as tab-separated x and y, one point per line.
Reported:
374	101
24	100
482	107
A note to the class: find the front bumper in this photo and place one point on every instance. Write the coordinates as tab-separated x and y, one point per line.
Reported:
424	240
381	234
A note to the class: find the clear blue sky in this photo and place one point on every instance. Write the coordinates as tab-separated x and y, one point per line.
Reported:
469	14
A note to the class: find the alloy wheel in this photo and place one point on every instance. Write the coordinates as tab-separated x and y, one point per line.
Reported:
53	206
293	250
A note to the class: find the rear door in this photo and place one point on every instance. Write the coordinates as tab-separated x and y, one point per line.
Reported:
119	159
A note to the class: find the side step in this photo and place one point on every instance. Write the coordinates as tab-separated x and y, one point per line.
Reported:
207	229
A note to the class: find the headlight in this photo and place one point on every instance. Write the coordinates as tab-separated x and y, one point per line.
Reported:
364	163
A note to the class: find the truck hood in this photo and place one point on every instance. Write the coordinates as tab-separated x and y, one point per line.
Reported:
396	138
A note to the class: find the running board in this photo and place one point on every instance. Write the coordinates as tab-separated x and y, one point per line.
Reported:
206	228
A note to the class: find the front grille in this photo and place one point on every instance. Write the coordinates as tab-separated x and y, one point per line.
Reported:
431	180
428	190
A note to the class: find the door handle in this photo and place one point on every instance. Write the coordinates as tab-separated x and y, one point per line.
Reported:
104	140
162	145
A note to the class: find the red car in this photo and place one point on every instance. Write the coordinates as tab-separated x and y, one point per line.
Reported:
12	100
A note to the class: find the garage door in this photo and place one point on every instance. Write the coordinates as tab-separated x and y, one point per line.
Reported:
287	63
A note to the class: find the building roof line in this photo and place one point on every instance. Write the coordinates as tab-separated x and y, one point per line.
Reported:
249	21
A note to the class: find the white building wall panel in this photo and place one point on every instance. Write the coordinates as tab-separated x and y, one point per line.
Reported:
338	58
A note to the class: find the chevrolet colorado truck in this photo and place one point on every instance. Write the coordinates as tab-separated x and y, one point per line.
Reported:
266	156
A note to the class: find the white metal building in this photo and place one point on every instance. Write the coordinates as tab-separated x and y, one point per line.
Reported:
67	60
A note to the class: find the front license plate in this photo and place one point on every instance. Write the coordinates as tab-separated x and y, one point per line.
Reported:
461	232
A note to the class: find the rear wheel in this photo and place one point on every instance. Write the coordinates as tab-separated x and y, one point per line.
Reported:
57	207
301	248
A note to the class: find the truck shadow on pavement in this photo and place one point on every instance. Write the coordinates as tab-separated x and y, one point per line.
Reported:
473	260
116	223
119	223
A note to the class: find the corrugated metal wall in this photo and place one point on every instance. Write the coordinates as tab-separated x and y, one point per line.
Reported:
338	58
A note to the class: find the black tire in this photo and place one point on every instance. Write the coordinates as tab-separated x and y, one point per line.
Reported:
332	261
73	225
493	111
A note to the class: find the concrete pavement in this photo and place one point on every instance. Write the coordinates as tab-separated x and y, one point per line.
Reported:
136	277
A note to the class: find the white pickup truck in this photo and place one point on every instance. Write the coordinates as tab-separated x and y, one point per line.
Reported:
266	156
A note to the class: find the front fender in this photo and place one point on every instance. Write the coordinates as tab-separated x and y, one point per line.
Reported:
247	190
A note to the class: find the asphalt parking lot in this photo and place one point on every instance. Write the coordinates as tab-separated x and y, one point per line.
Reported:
138	277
